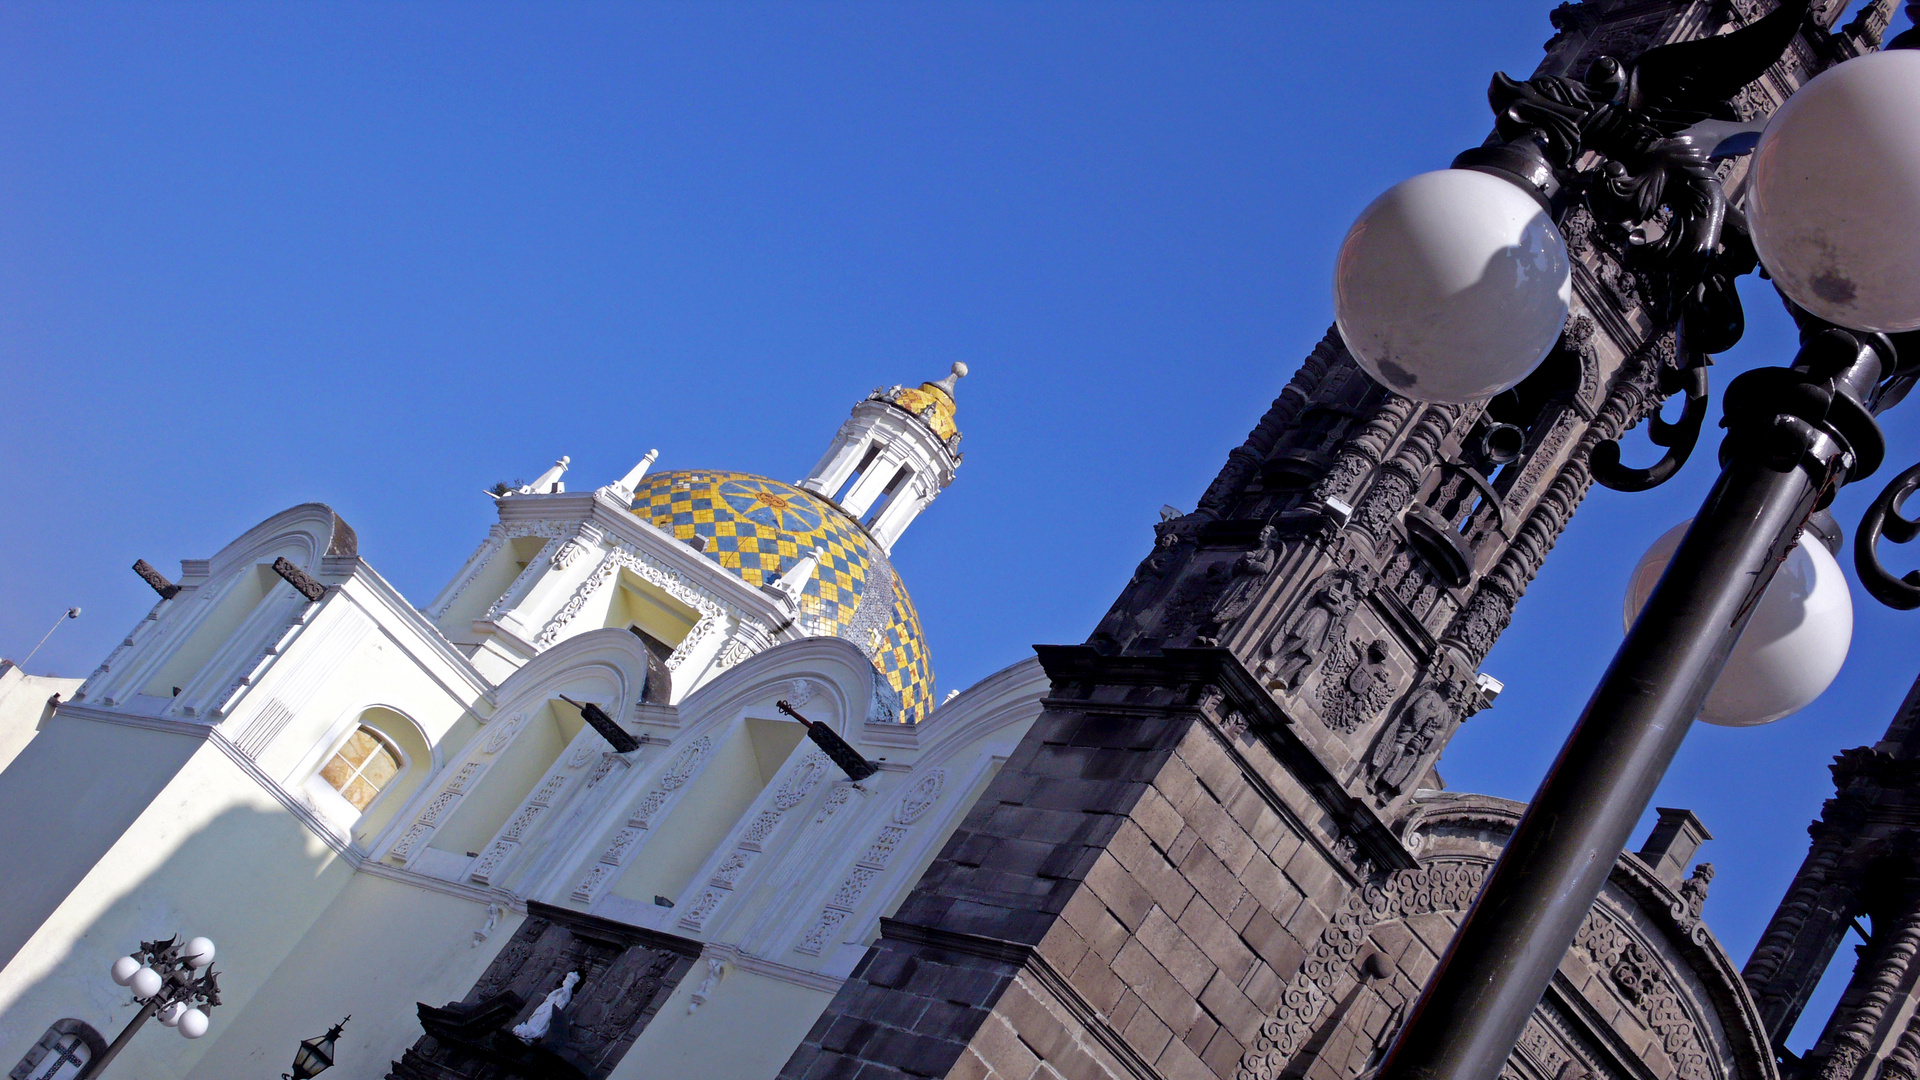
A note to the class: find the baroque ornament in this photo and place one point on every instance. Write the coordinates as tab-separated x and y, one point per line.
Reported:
1318	629
1357	685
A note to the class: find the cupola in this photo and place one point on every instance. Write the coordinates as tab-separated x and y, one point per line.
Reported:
890	459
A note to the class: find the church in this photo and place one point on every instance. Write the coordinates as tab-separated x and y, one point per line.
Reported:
659	785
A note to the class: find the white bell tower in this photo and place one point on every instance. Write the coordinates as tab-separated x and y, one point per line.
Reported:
896	452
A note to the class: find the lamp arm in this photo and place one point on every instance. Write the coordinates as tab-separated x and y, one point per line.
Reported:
1678	437
1884	519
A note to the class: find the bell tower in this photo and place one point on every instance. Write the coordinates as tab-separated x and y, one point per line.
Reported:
1233	754
1861	877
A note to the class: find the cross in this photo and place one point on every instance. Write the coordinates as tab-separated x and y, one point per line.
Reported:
63	1055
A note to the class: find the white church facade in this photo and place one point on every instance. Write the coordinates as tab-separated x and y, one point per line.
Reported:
373	806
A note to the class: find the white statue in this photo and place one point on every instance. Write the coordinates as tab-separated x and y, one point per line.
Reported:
542	1017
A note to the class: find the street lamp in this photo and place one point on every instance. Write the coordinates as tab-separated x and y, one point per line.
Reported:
315	1055
173	981
1836	217
1795	640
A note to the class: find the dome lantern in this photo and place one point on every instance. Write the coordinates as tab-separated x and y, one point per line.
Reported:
892	457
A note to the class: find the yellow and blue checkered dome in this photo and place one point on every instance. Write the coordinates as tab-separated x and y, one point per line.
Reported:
758	529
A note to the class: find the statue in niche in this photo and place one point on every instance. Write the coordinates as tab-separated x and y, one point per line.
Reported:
1356	686
1424	721
1249	572
1317	630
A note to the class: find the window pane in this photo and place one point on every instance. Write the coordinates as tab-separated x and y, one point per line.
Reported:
360	793
337	772
381	769
360	746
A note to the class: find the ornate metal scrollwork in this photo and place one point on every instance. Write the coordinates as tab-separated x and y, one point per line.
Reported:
1884	519
1657	123
1679	437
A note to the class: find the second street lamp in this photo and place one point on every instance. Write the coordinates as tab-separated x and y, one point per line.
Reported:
1628	140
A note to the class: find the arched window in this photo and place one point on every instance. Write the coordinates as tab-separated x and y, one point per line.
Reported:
366	763
62	1053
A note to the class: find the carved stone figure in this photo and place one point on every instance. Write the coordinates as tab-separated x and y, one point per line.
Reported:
1250	570
1423	724
1313	633
1356	688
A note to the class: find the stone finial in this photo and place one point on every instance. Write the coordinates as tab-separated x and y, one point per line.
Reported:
549	482
634	474
954	375
622	489
794	581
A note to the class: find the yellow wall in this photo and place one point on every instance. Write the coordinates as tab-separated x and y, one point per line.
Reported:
381	948
746	1030
212	854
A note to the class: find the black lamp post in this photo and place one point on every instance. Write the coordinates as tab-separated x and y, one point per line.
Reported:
315	1055
172	980
1628	142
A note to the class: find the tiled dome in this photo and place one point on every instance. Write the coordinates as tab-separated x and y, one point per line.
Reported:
759	528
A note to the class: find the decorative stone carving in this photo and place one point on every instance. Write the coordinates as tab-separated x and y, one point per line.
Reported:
1404	893
1317	630
1356	686
1424	721
1384	500
872	862
1249	573
836	798
672	778
800	783
920	796
502	734
488	867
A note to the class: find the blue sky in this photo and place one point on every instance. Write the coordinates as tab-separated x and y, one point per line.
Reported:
382	256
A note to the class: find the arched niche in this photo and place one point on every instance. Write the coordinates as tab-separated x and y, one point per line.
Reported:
367	768
62	1052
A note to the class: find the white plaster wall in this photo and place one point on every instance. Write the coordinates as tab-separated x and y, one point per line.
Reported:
381	948
211	854
746	1030
68	797
23	706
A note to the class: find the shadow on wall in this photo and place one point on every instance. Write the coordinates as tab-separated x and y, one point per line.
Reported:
253	879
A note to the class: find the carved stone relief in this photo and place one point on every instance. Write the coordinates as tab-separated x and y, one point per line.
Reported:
1356	686
672	778
793	790
872	862
1319	629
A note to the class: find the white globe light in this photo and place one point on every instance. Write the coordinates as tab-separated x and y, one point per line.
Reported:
193	1023
123	970
145	983
198	952
1794	642
1452	286
1834	195
171	1014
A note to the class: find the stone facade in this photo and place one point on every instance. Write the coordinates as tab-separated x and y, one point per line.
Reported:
1861	865
1162	881
626	974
